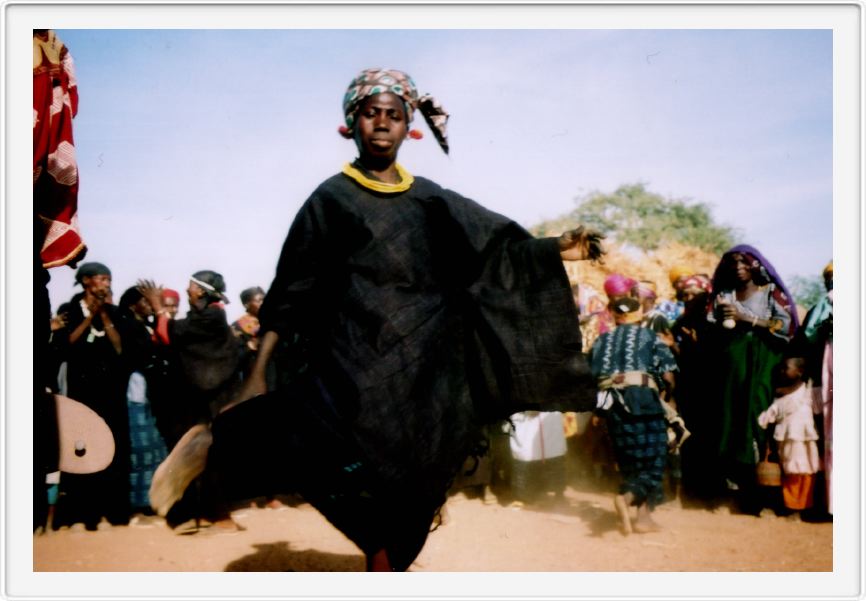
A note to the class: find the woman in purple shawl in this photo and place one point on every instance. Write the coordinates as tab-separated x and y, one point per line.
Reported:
755	319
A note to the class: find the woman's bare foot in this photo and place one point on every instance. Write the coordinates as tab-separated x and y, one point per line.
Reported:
621	504
224	526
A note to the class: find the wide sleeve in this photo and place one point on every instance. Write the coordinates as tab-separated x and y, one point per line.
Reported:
663	361
209	353
663	358
818	315
301	260
521	306
769	416
780	319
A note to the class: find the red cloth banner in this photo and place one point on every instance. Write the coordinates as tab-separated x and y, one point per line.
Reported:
55	169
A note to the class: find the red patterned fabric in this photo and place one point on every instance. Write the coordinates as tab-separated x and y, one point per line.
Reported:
248	324
698	282
55	169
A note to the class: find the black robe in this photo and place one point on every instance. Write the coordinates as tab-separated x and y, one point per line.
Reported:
96	376
697	379
419	317
208	355
197	375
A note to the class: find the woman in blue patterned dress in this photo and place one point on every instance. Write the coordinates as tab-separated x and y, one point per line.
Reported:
633	368
147	448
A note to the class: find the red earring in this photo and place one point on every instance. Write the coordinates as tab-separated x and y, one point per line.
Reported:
415	134
345	131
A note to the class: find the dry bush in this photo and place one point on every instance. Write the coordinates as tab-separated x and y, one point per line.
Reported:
652	266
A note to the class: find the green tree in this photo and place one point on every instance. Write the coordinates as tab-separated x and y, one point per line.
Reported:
646	220
806	290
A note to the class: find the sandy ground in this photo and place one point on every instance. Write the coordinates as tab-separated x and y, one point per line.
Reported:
578	533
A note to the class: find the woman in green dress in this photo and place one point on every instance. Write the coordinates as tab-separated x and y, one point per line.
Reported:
755	318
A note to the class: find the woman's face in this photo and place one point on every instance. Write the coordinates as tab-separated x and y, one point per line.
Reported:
194	292
98	285
170	304
254	304
694	299
142	308
381	127
741	267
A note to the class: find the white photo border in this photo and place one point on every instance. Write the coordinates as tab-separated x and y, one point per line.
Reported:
846	21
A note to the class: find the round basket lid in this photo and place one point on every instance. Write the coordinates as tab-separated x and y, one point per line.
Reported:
86	443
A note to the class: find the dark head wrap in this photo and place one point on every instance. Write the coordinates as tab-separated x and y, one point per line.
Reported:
765	273
380	81
89	270
130	297
213	285
624	305
248	294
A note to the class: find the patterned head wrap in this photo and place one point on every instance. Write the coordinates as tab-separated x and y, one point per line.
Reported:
828	271
618	285
766	271
646	290
380	81
130	297
89	270
697	283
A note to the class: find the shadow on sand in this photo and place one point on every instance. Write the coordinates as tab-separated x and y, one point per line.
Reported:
280	557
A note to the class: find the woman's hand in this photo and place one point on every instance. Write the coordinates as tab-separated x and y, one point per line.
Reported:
58	322
730	311
667	339
152	293
94	303
581	244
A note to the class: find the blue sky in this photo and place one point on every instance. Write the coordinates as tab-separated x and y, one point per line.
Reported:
196	148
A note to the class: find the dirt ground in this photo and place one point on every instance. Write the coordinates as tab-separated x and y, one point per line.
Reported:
576	534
